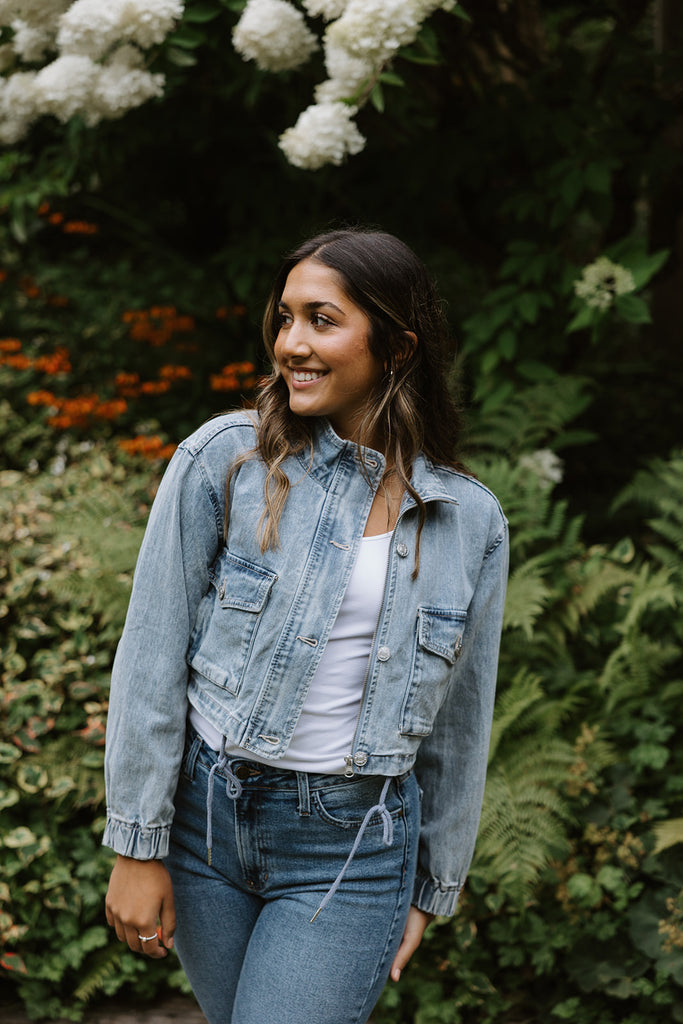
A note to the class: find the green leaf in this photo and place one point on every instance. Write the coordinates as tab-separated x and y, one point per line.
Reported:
180	58
459	12
389	78
586	317
201	13
632	309
187	38
377	98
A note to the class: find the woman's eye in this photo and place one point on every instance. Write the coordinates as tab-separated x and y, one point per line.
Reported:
318	320
283	319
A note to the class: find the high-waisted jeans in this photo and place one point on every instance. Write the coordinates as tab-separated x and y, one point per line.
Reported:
245	935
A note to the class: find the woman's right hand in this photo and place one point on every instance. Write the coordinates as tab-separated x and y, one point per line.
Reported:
140	893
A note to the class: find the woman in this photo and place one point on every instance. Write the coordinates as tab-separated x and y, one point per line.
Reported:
302	696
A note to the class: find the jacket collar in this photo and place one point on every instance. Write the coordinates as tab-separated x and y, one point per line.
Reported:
428	480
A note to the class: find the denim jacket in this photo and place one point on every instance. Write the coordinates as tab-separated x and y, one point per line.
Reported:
240	633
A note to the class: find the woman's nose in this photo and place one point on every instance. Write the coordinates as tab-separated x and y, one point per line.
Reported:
294	341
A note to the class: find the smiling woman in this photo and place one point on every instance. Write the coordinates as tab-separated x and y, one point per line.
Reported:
329	655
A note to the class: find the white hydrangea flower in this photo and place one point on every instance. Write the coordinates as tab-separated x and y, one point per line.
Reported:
323	134
329	9
33	12
601	281
91	27
32	42
122	84
347	73
17	106
375	29
274	34
547	466
64	86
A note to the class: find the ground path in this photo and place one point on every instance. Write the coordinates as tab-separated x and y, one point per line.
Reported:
176	1010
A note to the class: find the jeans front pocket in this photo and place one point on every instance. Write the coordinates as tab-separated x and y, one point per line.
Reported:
346	805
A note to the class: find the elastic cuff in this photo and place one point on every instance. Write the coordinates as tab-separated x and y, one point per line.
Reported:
136	840
430	896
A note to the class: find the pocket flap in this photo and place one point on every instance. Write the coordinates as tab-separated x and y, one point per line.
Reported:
243	585
440	631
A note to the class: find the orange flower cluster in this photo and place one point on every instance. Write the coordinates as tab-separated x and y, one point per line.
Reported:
149	447
79	227
69	227
79	411
234	377
129	385
157	325
223	312
53	364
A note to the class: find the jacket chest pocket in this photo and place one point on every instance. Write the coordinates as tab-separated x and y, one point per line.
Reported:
437	646
228	621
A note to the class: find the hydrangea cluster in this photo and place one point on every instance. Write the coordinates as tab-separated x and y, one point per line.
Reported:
361	37
545	464
95	59
274	34
323	134
601	281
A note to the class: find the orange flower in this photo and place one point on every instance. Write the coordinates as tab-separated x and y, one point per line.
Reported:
172	372
58	362
218	382
150	447
80	227
222	313
3	275
55	218
181	324
43	209
163	312
41	398
10	345
17	362
155	387
60	301
110	410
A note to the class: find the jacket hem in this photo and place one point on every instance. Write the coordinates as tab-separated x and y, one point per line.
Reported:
433	898
136	841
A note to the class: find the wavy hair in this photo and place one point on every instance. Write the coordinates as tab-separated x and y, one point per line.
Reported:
410	408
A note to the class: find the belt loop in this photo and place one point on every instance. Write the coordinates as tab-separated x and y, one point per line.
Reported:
304	808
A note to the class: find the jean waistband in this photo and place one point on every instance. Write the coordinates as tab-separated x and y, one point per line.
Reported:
237	771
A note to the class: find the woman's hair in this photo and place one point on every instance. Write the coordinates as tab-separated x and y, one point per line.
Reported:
411	408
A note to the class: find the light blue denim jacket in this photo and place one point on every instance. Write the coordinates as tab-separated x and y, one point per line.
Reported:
240	633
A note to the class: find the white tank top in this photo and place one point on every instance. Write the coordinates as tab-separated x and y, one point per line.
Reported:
327	724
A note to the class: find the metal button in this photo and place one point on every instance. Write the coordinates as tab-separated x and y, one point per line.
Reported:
383	654
360	759
243	771
221	591
402	550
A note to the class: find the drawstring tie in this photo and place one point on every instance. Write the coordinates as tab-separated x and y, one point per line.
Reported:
233	788
387	839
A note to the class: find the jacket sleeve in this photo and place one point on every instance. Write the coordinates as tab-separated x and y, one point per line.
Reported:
148	703
451	761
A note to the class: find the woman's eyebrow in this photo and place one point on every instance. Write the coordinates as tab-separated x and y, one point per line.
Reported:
311	306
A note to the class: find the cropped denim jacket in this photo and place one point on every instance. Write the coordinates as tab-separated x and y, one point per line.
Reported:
239	632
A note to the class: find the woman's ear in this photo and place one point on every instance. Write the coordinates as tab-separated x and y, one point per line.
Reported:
406	343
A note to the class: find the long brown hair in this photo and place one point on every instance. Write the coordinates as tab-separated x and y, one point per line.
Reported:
411	408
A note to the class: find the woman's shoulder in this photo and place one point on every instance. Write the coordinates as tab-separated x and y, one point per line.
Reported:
472	496
233	430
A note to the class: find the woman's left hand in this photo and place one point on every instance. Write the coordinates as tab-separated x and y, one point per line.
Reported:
412	937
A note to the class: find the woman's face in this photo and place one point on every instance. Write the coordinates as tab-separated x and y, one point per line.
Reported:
322	348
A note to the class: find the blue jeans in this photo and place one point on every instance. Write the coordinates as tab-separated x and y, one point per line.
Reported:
245	936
